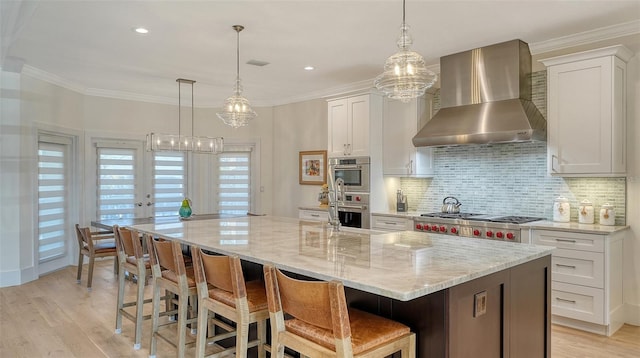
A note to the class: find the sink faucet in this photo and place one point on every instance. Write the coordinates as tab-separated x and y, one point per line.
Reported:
336	197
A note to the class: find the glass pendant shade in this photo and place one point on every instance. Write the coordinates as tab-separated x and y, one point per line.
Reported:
236	110
405	74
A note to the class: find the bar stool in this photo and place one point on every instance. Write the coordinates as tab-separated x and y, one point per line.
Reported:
171	274
132	259
222	290
321	325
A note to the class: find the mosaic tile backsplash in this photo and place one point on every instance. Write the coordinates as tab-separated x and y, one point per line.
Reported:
509	179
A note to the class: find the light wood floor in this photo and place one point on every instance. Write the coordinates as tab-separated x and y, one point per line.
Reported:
56	317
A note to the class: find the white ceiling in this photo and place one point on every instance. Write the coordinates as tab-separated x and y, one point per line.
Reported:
90	45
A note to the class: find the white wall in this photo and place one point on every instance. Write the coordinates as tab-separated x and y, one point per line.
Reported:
632	243
296	127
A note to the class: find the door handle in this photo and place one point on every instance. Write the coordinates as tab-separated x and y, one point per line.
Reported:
149	203
139	203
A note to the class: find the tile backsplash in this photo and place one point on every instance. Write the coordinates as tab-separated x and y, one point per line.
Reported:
509	179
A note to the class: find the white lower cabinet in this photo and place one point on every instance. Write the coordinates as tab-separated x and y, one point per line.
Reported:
313	215
586	275
390	223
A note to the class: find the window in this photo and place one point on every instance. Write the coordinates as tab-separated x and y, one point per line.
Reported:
54	172
233	181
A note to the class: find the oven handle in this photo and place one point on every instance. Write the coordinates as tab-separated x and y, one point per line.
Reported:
347	167
352	208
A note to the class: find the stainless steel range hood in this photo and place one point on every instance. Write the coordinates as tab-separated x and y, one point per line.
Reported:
485	97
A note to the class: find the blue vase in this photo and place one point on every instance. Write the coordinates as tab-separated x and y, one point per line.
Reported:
185	210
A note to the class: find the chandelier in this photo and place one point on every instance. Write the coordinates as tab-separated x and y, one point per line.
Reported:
180	142
405	75
236	111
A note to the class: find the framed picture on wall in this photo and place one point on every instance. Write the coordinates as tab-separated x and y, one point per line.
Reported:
313	167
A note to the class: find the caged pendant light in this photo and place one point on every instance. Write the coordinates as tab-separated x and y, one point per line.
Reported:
236	111
158	142
405	75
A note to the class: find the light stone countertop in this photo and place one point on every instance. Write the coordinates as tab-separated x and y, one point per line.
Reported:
575	227
400	265
313	208
406	214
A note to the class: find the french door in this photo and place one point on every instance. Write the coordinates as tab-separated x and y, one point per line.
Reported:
134	183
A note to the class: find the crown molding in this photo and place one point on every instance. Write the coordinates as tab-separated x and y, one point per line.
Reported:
130	96
52	78
586	37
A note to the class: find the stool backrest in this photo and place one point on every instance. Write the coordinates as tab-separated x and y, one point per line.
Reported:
322	304
166	254
222	272
84	237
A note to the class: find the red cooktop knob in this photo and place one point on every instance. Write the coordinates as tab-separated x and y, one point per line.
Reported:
443	229
419	226
427	227
434	227
476	232
510	235
499	235
358	198
489	233
454	230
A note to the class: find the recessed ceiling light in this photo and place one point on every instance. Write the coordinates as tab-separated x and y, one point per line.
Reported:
140	30
309	68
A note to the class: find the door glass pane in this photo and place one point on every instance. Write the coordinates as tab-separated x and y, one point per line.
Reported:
169	175
234	183
116	183
52	207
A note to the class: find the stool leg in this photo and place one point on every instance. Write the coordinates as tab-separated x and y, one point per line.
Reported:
201	338
182	324
90	274
120	304
262	337
139	306
155	317
242	338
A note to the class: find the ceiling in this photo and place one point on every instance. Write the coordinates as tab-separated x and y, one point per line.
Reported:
90	45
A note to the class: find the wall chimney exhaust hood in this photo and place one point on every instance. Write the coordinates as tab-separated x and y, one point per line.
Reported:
485	97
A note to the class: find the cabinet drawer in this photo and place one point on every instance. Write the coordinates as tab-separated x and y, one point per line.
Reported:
313	215
577	302
578	267
569	240
390	223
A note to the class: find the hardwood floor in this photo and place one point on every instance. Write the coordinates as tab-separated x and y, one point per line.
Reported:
56	317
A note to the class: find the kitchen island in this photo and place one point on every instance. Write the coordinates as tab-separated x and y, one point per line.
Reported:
462	297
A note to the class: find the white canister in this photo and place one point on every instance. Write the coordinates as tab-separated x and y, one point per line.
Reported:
585	212
607	215
561	210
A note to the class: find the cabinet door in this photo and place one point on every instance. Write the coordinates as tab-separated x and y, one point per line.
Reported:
358	126
337	112
580	117
399	122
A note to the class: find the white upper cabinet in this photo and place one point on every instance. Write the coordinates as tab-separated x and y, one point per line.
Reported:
587	112
401	122
349	126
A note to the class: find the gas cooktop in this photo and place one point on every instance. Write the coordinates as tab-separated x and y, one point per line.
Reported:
512	219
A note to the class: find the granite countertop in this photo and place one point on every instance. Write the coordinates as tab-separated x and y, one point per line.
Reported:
575	227
313	208
406	214
400	265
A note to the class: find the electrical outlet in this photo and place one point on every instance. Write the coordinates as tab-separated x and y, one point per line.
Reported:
479	304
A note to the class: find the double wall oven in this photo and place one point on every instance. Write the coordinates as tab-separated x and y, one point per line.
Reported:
353	208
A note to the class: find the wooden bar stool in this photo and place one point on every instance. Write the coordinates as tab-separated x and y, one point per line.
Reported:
132	259
171	274
321	325
222	290
92	245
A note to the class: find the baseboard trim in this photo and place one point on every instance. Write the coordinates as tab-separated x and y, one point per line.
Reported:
632	314
17	277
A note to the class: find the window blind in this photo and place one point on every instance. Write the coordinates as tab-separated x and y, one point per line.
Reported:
234	182
169	173
116	183
53	186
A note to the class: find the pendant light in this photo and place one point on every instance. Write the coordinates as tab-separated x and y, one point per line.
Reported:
184	143
405	75
237	111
